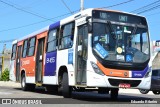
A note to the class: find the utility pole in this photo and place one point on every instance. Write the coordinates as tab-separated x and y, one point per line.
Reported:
82	5
4	48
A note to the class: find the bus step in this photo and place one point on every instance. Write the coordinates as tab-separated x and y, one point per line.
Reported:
38	84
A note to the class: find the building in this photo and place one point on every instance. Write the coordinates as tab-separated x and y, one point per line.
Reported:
5	59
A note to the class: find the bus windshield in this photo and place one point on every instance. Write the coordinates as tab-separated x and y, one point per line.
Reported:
121	42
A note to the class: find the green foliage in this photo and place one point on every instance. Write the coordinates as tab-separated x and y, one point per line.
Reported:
5	75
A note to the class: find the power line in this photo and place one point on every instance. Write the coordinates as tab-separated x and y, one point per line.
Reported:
145	7
59	16
150	9
35	22
118	4
153	14
29	6
66	6
13	6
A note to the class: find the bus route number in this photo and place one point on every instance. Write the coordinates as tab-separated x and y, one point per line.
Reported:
51	60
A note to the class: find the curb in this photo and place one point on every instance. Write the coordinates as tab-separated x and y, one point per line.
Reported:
9	84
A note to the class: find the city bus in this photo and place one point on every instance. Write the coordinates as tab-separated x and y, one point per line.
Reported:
93	49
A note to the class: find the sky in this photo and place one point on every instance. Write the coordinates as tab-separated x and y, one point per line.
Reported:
19	18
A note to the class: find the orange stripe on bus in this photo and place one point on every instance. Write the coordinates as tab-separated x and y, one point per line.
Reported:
113	72
20	43
41	35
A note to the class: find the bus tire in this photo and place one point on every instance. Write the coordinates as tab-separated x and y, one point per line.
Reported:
143	91
156	92
52	89
102	90
114	93
25	86
66	89
23	83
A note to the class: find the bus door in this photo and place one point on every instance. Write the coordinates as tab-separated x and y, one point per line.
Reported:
39	60
18	60
81	57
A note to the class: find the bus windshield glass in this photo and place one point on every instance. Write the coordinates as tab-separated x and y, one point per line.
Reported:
124	42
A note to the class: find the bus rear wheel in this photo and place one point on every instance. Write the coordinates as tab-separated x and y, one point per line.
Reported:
66	89
25	86
156	92
114	93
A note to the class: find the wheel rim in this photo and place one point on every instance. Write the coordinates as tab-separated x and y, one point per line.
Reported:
143	91
157	92
23	82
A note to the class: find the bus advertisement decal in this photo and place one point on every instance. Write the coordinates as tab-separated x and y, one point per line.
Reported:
70	56
50	64
101	51
129	58
139	74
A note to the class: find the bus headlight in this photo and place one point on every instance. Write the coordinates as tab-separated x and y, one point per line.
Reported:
96	69
148	74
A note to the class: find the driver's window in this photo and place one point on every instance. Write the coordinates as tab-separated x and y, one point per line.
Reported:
145	48
136	41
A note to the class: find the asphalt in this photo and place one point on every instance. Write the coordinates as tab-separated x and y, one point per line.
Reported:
17	85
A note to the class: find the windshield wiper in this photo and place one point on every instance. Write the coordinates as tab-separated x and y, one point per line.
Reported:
111	30
134	30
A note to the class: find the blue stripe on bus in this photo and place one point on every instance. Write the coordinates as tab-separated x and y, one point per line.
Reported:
50	64
139	74
54	25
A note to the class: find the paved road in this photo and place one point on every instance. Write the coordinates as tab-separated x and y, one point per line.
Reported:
77	97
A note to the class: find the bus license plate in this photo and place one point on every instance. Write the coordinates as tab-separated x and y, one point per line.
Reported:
124	85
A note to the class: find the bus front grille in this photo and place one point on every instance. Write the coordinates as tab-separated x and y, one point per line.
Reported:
116	82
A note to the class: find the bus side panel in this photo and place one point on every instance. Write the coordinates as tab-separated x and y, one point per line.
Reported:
63	60
28	64
50	68
12	73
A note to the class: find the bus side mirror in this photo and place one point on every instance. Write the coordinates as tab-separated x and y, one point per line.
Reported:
89	27
87	18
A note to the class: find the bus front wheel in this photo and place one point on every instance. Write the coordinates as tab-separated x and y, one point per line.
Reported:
114	93
143	91
66	89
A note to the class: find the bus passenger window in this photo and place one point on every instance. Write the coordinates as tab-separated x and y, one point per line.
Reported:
52	40
25	45
31	46
14	48
67	36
